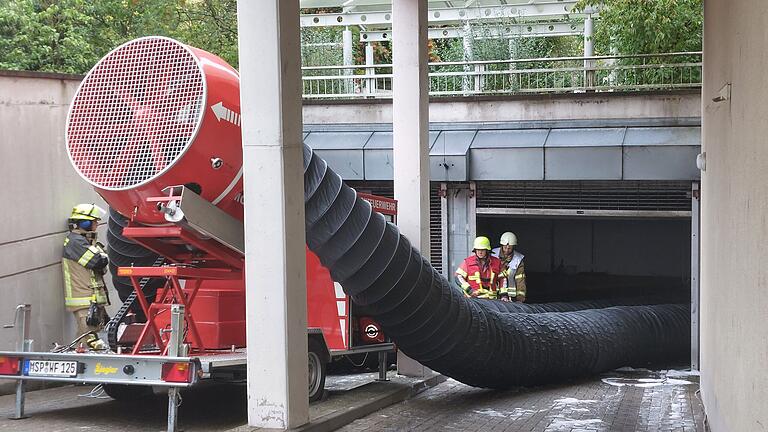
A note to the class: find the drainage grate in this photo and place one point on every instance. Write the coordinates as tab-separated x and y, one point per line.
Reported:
135	113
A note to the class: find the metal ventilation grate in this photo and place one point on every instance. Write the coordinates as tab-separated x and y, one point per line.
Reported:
587	195
435	228
135	113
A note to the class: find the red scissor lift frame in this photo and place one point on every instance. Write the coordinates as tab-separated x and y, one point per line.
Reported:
189	257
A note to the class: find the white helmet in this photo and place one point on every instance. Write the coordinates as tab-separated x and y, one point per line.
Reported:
508	238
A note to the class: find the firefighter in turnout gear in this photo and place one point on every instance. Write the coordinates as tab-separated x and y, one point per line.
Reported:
480	275
84	263
512	265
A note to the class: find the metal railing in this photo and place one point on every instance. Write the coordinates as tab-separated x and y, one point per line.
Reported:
508	77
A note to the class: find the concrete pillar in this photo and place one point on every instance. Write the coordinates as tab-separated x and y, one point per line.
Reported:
346	38
347	59
410	123
466	41
276	305
514	54
589	51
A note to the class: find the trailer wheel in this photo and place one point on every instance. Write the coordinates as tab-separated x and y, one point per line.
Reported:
316	362
128	393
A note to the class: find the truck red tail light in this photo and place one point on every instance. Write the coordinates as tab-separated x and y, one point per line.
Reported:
177	372
9	365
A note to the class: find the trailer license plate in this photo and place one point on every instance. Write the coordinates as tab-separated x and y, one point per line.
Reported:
50	368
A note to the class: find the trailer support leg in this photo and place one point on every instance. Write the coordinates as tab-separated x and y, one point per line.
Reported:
18	412
173	408
21	321
175	349
382	366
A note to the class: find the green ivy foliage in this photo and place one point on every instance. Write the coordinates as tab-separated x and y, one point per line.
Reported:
647	26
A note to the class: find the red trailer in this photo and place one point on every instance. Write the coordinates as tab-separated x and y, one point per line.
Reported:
195	328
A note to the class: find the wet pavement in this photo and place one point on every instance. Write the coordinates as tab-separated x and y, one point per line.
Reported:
624	400
206	407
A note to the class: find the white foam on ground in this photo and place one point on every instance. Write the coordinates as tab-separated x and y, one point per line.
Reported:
681	373
490	412
517	412
566	424
570	401
645	382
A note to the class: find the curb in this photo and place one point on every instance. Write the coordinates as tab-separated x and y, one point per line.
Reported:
333	421
392	393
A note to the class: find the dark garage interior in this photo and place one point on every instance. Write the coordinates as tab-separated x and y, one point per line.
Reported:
584	258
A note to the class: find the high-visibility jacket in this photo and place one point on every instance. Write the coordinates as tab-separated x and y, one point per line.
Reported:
514	270
83	264
483	278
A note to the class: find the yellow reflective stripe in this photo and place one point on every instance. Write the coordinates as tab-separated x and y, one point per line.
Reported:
66	241
520	276
485	294
87	256
78	301
67	280
461	272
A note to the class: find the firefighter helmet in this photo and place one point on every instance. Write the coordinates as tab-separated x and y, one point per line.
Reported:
482	243
88	212
508	239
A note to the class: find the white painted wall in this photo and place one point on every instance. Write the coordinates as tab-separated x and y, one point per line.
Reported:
39	188
734	218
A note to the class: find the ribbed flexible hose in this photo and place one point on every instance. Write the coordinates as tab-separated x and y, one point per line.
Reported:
123	252
480	343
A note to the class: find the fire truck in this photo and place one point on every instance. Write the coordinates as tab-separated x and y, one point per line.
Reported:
155	128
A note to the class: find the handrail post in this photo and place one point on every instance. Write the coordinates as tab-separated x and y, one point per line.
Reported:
479	68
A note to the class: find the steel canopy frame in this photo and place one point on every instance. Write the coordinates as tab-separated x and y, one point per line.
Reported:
456	15
548	29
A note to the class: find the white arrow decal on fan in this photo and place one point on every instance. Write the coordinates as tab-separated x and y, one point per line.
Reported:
225	113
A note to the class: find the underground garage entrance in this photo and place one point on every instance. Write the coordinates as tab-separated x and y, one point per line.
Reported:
580	258
589	240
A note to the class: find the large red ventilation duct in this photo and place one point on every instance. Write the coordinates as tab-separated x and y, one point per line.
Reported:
154	113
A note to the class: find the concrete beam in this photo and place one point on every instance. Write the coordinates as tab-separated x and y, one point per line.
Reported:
276	304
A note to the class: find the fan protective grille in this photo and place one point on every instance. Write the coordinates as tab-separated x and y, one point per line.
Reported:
135	113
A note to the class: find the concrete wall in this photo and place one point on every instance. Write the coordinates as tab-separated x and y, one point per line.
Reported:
39	188
682	104
734	220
